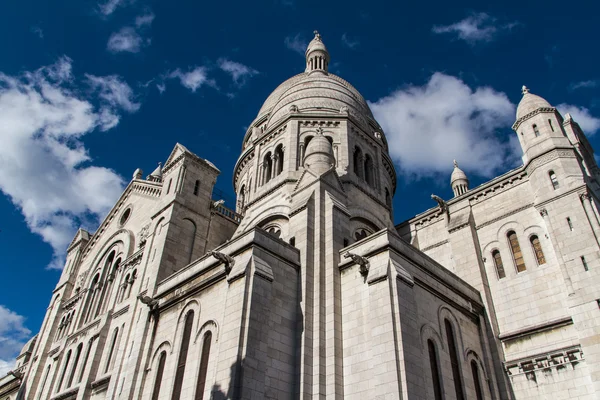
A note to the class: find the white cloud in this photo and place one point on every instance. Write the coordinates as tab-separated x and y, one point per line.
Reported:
114	91
239	72
588	123
590	84
45	168
110	6
144	20
428	126
161	87
125	40
296	43
349	43
477	27
13	336
193	79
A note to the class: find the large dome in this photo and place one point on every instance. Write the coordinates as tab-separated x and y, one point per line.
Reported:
314	92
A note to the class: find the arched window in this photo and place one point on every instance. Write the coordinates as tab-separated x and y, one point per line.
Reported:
203	366
183	351
91	300
39	396
75	362
498	264
267	167
242	199
388	198
279	160
111	351
369	173
111	272
435	372
190	232
196	187
358	162
85	359
516	251
131	282
123	289
64	370
159	375
454	360
476	381
537	249
536	131
553	179
169	185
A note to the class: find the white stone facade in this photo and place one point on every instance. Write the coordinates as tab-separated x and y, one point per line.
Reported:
309	291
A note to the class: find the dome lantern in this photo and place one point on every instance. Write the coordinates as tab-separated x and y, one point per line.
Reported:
459	181
317	56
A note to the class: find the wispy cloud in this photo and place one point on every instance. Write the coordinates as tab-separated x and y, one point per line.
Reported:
476	28
193	79
296	43
110	6
37	31
428	126
590	84
13	335
349	43
45	168
129	39
582	116
239	72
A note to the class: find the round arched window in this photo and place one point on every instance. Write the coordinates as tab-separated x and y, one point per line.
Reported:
125	216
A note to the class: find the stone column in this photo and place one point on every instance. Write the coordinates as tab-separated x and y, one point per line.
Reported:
586	200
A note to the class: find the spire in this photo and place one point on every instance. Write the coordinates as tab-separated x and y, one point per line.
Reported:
459	181
156	175
317	56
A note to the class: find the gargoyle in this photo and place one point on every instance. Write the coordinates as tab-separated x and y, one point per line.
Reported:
442	204
361	261
225	259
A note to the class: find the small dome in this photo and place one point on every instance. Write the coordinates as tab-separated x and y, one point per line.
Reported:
457	174
529	103
316	44
319	153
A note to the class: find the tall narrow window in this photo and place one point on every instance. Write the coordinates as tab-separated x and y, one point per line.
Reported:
553	179
62	374
435	372
537	249
203	366
185	344
476	381
196	188
279	160
111	351
516	251
454	360
92	294
85	359
536	131
169	185
159	375
550	123
75	362
498	264
388	198
39	396
369	173
242	199
570	223
358	162
584	263
267	167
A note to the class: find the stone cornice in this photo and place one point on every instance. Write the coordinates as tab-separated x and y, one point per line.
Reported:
532	329
531	114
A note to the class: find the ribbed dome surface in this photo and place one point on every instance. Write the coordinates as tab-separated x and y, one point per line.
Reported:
457	174
314	92
529	103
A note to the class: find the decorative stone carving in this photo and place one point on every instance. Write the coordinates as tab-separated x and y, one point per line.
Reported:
143	235
225	259
362	262
294	108
442	204
544	212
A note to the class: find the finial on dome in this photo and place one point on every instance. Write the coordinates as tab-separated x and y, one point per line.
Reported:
317	56
459	181
524	90
455	164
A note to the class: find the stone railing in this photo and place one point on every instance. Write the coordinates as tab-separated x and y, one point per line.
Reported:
147	188
228	213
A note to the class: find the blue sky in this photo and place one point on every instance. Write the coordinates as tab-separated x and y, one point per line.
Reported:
91	90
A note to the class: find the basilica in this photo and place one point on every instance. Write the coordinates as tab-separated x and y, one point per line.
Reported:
307	290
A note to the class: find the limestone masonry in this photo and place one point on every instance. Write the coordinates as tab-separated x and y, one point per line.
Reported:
308	290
